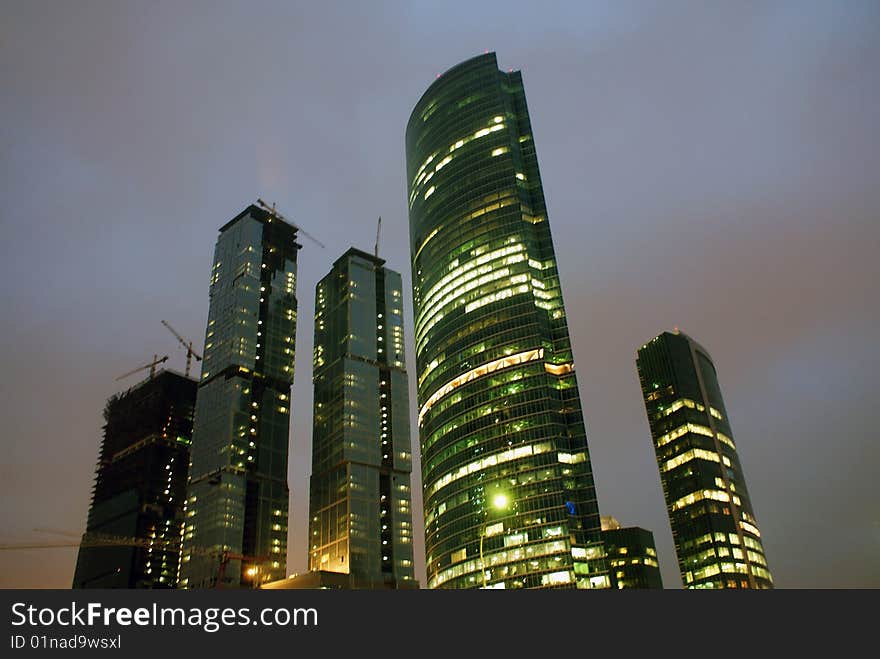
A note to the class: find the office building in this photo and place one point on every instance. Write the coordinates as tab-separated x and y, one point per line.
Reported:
360	500
508	486
237	500
632	556
717	540
135	521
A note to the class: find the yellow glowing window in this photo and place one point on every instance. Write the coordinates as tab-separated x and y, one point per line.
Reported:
751	528
494	529
559	369
499	558
556	578
701	495
479	371
490	461
687	456
571	458
440	287
503	294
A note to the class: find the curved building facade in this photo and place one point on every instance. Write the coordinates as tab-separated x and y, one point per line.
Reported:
508	487
716	535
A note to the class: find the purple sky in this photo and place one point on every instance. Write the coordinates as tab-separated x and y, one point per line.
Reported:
711	165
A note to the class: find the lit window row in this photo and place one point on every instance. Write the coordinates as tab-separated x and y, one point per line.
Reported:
748	542
755	557
701	495
696	429
503	294
499	558
490	461
469	283
547	306
479	371
687	456
559	369
751	528
455	296
687	402
508	201
422	175
460	274
682	402
761	572
571	458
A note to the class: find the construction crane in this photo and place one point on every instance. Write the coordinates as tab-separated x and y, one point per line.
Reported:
151	366
378	227
276	214
190	353
107	540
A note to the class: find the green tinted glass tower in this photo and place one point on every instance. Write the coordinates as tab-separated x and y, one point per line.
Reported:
717	540
508	485
237	499
360	505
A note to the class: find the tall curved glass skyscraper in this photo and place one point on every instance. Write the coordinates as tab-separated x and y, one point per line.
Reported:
717	540
508	485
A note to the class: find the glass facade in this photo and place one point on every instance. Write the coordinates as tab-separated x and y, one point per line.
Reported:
508	485
237	500
717	539
360	503
140	487
632	556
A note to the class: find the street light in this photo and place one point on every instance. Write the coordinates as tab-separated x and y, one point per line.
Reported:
499	502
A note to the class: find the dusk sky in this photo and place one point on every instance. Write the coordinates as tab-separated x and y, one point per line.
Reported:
708	165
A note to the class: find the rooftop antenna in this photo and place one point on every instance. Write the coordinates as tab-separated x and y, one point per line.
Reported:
274	213
378	227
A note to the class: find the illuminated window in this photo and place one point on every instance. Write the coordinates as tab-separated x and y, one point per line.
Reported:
479	371
694	497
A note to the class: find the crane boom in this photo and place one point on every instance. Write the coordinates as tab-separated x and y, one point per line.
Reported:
151	366
106	540
275	213
190	353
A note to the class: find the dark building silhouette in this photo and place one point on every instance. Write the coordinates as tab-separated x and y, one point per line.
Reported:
360	506
326	580
237	499
716	535
140	487
632	556
508	484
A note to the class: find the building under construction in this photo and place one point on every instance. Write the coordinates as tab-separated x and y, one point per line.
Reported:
140	486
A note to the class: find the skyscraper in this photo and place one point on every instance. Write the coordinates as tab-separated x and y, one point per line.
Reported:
237	498
716	535
632	556
508	485
140	486
360	507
